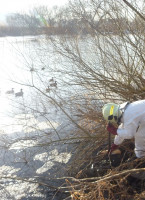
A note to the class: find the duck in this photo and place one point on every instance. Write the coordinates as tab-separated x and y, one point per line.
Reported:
19	94
32	69
48	89
51	80
10	91
53	84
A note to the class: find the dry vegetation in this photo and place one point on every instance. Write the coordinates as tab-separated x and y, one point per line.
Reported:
103	67
118	77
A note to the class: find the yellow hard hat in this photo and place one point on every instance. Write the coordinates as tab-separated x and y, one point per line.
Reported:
111	112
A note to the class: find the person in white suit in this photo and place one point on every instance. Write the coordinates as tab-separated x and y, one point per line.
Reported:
130	118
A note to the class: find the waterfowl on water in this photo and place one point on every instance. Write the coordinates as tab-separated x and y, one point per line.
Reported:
53	84
48	89
19	94
51	80
10	91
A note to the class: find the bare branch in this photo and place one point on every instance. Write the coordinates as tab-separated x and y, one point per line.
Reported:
134	9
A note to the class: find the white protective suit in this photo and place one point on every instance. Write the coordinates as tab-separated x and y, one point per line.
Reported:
133	126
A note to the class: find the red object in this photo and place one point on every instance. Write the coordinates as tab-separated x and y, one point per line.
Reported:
112	129
113	147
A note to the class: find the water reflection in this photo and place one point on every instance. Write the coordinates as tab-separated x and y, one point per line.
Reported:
50	158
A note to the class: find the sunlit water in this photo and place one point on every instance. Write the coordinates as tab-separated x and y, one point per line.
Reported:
19	130
17	57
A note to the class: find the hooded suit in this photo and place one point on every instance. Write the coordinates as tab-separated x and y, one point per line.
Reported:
133	126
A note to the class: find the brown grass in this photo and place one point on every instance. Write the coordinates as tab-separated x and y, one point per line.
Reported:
95	178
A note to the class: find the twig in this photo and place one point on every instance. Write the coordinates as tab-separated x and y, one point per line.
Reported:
134	9
30	181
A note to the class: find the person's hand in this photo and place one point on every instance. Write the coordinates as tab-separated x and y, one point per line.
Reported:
112	129
113	148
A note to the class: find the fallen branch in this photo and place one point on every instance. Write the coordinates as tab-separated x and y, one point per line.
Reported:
106	177
126	172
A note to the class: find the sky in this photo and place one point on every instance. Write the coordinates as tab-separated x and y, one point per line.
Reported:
9	6
12	6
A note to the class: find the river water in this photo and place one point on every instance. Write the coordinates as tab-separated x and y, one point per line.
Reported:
27	132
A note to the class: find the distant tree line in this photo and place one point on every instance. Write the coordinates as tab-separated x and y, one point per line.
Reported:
60	21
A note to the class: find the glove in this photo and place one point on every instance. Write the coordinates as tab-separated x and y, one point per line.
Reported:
112	129
113	147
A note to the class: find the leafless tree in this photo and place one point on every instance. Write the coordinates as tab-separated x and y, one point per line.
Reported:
103	61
